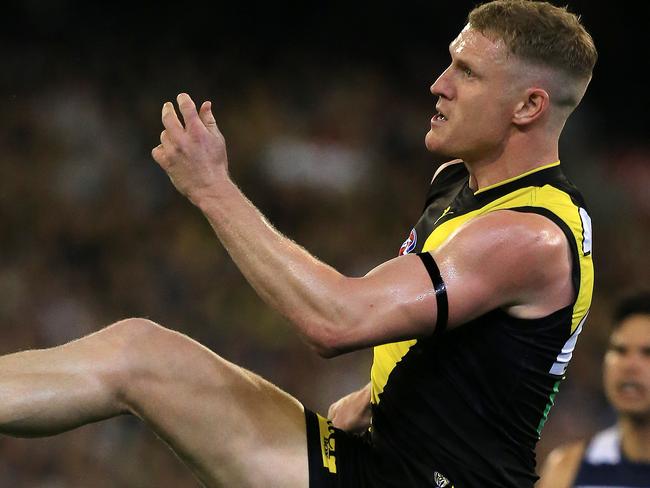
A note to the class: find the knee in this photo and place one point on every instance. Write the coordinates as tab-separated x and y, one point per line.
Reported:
138	348
147	357
131	336
133	330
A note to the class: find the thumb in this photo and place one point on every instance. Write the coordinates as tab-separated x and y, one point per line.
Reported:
205	114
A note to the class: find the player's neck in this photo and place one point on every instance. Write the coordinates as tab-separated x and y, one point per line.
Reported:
635	439
517	158
488	173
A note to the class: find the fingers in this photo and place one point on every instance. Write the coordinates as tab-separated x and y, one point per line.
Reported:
174	135
190	115
158	154
206	116
188	110
170	119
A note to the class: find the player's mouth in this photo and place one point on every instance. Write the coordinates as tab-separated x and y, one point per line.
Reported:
439	118
630	389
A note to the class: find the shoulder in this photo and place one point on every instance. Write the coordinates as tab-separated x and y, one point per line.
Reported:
604	447
506	259
518	232
561	466
567	456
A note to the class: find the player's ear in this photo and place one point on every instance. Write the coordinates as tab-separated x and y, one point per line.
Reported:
532	106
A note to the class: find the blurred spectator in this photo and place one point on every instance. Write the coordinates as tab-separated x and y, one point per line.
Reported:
619	455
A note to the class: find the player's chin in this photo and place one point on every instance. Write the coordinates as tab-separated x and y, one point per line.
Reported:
432	142
635	409
435	144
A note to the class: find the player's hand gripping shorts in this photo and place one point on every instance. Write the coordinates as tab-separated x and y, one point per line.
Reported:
339	459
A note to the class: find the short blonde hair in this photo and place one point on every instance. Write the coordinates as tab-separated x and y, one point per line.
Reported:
538	32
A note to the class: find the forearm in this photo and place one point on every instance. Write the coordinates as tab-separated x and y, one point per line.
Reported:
362	397
285	275
335	313
365	394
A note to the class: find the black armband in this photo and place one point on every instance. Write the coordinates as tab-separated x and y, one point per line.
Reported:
440	289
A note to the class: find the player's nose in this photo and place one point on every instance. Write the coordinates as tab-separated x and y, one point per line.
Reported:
442	86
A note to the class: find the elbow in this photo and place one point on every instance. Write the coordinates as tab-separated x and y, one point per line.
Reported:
325	346
326	341
325	351
332	332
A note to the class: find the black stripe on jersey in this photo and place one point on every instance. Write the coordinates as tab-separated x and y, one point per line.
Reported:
440	289
575	261
446	184
548	176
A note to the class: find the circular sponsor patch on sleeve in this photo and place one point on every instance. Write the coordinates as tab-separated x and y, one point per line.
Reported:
409	243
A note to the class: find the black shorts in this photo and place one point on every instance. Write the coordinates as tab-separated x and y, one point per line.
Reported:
337	459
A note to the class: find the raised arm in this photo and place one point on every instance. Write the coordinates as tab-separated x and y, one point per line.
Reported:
504	259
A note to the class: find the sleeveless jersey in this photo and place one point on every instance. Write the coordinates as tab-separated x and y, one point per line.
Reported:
604	466
466	409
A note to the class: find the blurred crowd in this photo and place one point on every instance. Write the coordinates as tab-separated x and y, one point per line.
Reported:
332	152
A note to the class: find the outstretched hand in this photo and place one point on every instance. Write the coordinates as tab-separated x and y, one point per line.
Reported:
192	152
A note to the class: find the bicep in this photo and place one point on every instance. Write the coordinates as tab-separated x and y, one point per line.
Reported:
493	262
394	301
506	260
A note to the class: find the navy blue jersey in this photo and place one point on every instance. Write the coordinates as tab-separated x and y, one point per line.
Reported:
605	466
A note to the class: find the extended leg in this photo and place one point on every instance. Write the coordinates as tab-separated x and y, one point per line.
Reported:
230	426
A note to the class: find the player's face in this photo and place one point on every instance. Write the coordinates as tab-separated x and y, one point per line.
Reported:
475	99
627	367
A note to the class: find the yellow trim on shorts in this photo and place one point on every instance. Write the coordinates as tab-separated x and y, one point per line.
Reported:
327	443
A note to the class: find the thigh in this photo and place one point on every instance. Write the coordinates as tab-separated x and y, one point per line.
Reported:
233	428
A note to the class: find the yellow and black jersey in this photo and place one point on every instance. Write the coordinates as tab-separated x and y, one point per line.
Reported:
466	408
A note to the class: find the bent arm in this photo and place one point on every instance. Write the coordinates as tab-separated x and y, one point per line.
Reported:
503	259
519	262
335	313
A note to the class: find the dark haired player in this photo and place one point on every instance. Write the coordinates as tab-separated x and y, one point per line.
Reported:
620	455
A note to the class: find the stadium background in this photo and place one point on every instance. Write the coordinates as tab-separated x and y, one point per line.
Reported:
324	106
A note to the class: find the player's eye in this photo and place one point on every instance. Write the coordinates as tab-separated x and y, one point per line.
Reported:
467	71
